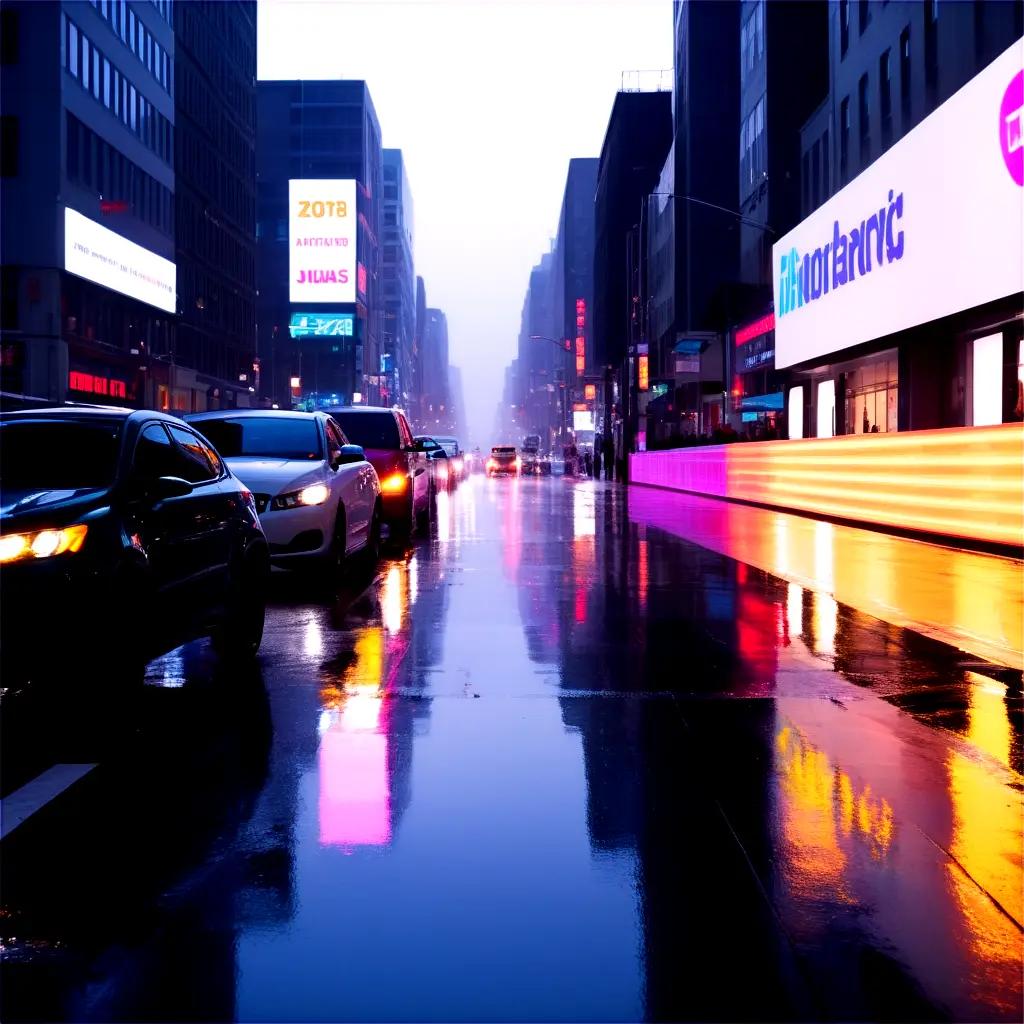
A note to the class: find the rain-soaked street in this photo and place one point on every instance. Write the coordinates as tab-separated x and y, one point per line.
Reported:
582	753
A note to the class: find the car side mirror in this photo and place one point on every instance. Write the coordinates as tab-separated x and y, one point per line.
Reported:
348	454
158	489
169	487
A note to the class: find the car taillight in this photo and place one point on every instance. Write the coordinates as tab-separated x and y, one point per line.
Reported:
394	483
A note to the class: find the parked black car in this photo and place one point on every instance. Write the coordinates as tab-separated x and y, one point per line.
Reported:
122	535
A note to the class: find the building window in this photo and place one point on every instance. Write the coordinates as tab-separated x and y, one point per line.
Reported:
8	146
844	27
872	396
844	140
826	185
863	14
931	50
8	37
885	97
864	120
73	49
806	183
905	106
815	174
72	149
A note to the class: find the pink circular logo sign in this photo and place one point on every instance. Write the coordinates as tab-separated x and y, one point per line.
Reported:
1011	128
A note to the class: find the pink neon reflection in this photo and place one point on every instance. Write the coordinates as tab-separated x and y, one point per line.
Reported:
355	800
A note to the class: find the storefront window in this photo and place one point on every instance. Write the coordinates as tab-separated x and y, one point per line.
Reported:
796	412
872	395
987	380
826	411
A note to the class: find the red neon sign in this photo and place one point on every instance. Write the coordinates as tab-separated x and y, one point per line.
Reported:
580	364
97	385
755	329
581	307
581	345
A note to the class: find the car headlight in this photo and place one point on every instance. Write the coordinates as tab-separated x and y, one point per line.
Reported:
394	483
315	494
42	544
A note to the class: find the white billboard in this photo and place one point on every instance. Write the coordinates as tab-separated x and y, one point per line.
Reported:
933	227
322	218
582	420
109	259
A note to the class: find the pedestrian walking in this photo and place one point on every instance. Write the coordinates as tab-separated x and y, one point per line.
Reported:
597	462
609	458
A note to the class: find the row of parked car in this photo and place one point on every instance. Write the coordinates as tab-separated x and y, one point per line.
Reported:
126	533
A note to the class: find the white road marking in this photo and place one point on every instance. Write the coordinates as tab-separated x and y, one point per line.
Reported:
35	795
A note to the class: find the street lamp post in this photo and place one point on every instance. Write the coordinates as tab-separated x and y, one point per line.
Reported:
566	346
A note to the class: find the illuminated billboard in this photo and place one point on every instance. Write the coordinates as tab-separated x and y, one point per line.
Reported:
322	218
109	259
322	325
933	227
582	420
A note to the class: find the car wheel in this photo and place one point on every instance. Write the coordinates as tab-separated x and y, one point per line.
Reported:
241	631
372	549
337	556
423	514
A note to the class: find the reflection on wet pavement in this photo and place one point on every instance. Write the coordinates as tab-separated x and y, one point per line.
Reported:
581	754
973	601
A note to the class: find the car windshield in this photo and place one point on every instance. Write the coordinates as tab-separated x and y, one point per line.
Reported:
503	452
59	454
369	429
450	446
268	437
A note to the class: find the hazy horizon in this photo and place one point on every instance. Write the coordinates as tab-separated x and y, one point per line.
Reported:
488	102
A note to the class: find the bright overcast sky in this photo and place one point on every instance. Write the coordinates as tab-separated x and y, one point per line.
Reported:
488	100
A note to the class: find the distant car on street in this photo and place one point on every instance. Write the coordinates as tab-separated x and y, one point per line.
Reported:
533	462
441	476
456	457
317	495
504	461
123	534
403	468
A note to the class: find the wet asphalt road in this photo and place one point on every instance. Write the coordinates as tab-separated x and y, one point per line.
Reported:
554	762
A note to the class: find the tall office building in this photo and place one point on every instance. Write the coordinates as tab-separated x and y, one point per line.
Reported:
399	288
889	66
914	90
541	362
318	227
636	143
215	203
89	284
435	401
783	76
416	399
573	280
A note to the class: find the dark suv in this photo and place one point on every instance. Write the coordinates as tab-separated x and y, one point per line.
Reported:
401	463
122	535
